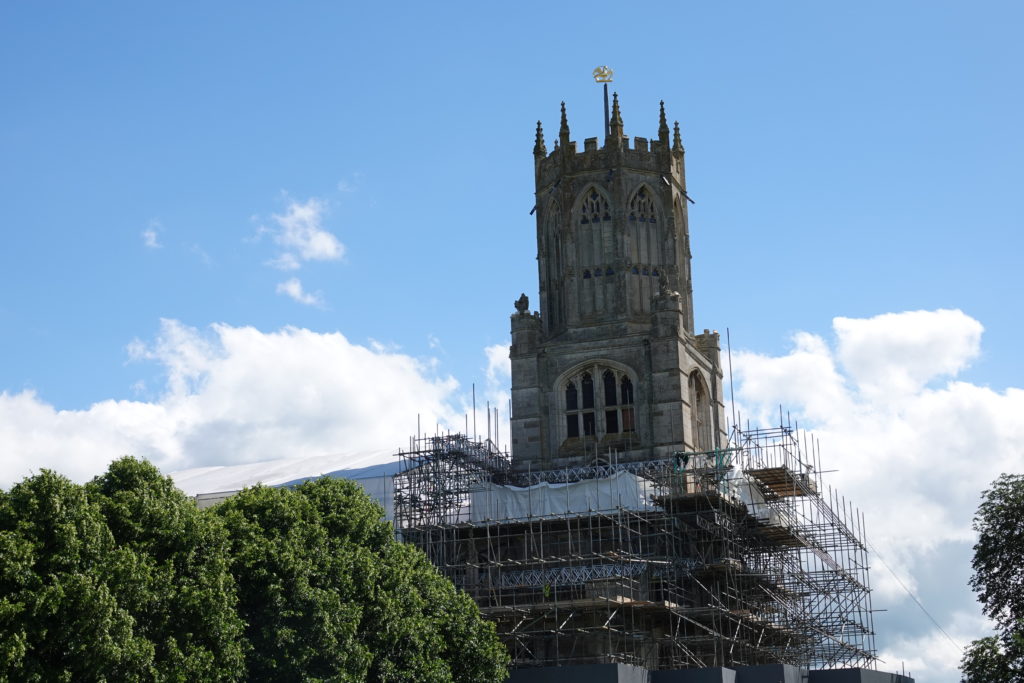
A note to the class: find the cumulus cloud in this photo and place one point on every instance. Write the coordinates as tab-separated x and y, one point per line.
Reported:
499	367
913	445
301	233
234	395
293	288
900	353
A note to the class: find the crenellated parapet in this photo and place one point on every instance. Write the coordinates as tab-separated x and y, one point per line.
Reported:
710	344
656	155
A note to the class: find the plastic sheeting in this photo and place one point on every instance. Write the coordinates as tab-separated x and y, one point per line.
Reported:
493	502
750	494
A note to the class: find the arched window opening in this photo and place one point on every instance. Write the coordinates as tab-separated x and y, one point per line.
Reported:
594	242
599	409
643	242
700	413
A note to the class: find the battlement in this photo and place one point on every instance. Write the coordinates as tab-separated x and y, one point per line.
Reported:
658	154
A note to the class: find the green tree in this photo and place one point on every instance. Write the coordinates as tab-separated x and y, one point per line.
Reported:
998	580
328	594
121	579
177	587
124	578
59	619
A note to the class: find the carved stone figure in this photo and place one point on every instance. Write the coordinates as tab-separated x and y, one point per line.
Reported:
523	304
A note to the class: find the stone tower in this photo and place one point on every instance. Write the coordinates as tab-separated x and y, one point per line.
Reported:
610	369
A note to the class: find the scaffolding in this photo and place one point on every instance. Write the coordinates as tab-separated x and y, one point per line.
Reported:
737	556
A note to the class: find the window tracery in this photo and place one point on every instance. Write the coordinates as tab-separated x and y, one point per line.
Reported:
599	409
594	208
641	207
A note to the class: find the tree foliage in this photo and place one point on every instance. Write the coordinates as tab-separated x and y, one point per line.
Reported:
121	579
125	579
998	580
327	593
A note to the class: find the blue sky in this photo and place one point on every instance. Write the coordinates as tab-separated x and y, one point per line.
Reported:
157	160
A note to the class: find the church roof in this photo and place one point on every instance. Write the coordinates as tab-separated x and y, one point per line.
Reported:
287	471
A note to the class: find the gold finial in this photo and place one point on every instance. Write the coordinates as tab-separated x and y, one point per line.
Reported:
603	74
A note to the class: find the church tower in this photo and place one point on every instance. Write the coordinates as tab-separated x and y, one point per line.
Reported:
610	368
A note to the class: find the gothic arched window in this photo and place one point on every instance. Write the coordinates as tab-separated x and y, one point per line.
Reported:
599	409
700	413
594	237
642	232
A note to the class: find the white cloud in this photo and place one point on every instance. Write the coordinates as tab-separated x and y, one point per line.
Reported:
930	656
499	367
300	231
914	447
234	395
293	288
899	353
151	236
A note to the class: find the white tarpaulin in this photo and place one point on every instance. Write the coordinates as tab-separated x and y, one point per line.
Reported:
622	489
749	493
